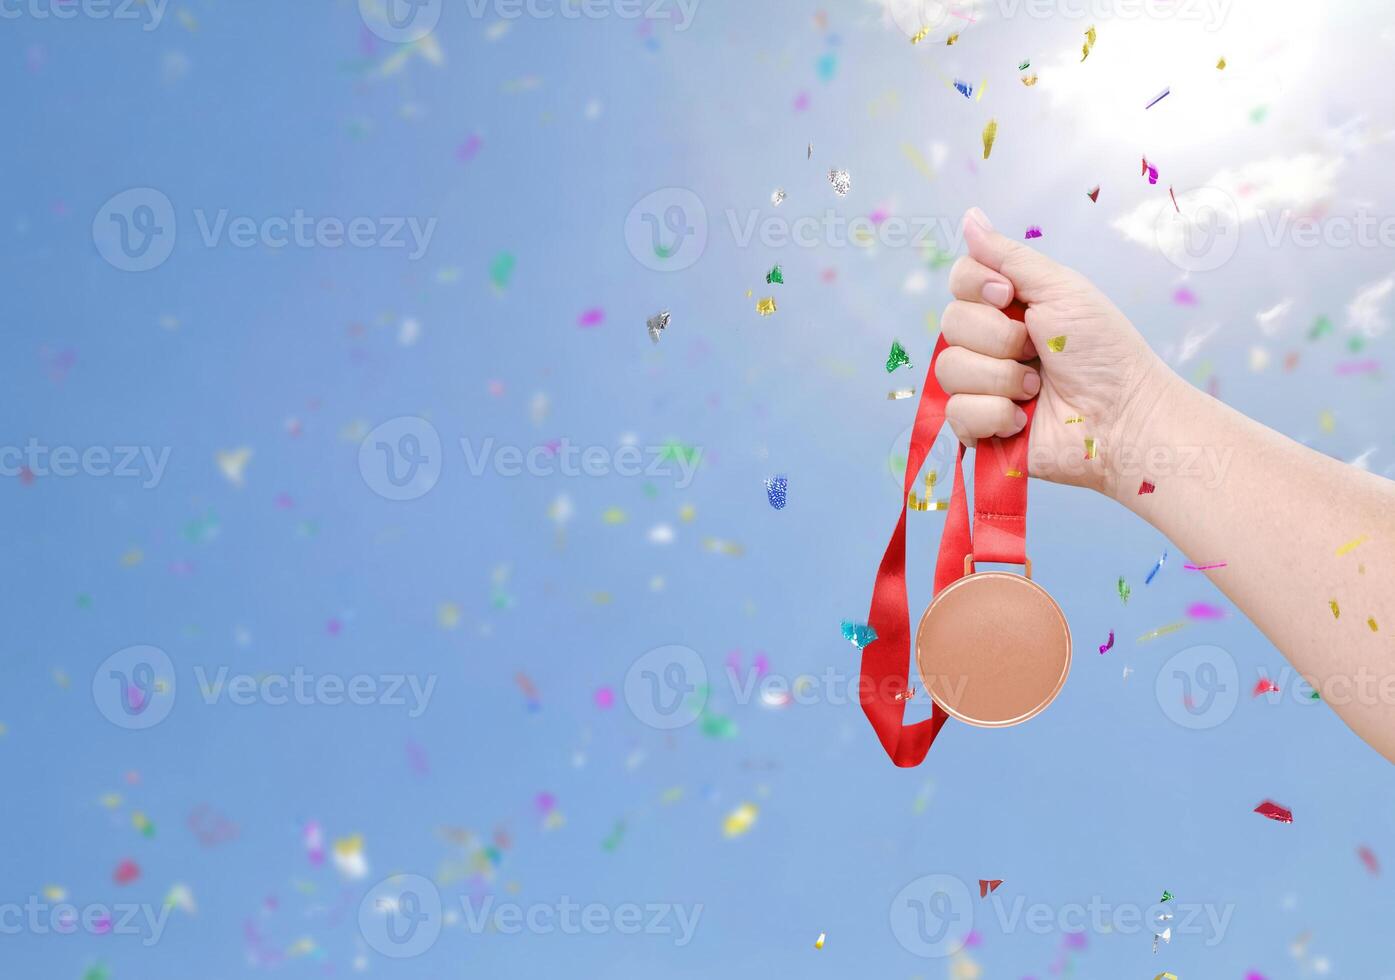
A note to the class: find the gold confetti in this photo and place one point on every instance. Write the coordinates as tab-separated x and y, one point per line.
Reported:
1220	65
982	87
1056	344
1089	42
1371	622
1161	631
1166	976
740	820
818	943
951	39
1075	419
1029	80
1015	474
766	306
990	133
915	503
1351	545
1336	610
613	515
919	35
133	557
1091	448
1327	420
900	393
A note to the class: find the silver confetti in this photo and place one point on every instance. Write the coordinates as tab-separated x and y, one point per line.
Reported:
841	181
657	324
777	196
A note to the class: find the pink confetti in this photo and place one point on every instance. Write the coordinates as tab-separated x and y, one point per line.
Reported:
591	318
334	627
470	149
1033	232
545	802
1205	568
1204	610
313	837
801	102
605	698
1265	686
126	872
1106	647
1150	170
1368	858
1358	367
1184	297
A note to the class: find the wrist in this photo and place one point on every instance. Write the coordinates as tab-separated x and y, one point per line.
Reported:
1148	430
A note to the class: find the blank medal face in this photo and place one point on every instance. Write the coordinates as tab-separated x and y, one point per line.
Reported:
993	649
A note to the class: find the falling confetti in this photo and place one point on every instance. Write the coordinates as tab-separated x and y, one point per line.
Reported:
1033	232
952	39
1202	610
841	181
1275	812
233	464
501	271
740	820
920	35
1368	858
1025	65
1220	65
897	357
1336	610
1029	80
1264	686
1108	644
857	634
1161	631
1056	345
657	324
1156	568
1205	568
990	133
765	306
1150	171
1124	590
593	317
1159	97
774	276
1351	546
986	886
1089	42
900	394
1145	487
775	489
1371	622
1091	449
126	872
1166	896
1093	193
777	196
818	943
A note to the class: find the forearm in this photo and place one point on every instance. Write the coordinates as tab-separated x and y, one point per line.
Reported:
1277	514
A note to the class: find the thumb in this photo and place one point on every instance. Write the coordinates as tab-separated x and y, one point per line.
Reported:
1030	272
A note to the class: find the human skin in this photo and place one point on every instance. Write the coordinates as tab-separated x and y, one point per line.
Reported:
1275	512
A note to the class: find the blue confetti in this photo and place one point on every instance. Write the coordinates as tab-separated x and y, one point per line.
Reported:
775	489
1156	568
857	634
964	88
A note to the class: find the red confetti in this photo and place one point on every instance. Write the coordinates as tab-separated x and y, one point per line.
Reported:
1095	193
1145	487
986	885
1174	196
1273	811
1265	686
1368	858
1150	171
126	872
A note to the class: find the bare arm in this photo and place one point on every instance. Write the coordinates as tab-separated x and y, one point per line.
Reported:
1285	520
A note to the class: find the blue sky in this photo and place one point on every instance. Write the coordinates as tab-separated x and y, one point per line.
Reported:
249	410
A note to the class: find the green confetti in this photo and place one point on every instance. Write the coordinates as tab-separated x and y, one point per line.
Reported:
1024	66
1258	113
775	276
98	972
678	452
1315	696
501	270
1356	344
897	357
1124	590
1167	895
1321	328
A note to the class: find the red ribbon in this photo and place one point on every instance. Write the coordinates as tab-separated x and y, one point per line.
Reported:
999	535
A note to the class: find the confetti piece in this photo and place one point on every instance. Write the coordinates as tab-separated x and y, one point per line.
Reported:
988	885
920	35
857	634
1108	644
1093	193
897	357
1124	590
952	39
1161	631
1351	546
1166	976
501	270
1156	568
1013	474
1371	622
1091	448
1171	193
818	943
990	134
1368	858
233	463
1150	171
657	324
1205	568
765	306
777	196
1274	812
775	275
1166	896
1024	66
1220	65
1089	43
775	490
126	872
1056	344
841	181
1202	610
1264	686
1165	937
1033	232
1145	487
899	394
963	88
616	836
349	858
740	820
593	317
1074	419
1336	610
1159	97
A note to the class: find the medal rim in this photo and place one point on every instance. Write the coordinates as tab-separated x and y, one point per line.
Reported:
1045	701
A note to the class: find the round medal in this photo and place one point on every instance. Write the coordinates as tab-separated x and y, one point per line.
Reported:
993	648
